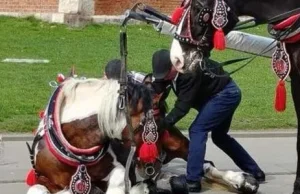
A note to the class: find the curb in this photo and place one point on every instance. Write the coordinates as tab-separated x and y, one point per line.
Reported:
16	137
259	134
235	134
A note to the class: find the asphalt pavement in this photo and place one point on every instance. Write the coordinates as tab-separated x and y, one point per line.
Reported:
274	152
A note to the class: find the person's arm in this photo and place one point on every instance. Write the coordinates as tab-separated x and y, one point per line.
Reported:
186	96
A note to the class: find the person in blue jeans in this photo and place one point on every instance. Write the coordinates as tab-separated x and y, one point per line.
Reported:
216	99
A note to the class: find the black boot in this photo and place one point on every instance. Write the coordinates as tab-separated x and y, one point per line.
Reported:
260	176
194	186
180	185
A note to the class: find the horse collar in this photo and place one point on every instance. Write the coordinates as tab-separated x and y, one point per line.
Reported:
58	146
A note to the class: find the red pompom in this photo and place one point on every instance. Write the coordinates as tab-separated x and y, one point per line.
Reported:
148	152
219	40
60	78
280	96
176	15
41	114
31	178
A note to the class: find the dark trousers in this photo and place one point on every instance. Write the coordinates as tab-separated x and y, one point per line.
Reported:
215	117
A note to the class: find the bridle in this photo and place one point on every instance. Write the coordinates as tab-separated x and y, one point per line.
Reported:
203	19
189	40
148	150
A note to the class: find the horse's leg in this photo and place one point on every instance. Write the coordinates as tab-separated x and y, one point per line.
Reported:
294	53
176	145
116	183
41	189
295	83
243	182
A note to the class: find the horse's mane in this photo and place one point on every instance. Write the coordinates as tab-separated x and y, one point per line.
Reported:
104	94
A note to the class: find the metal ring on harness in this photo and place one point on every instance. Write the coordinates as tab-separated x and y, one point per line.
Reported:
121	102
149	169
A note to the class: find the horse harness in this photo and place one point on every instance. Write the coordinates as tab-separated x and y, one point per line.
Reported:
63	151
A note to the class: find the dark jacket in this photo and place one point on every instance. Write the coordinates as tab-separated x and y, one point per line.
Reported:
194	89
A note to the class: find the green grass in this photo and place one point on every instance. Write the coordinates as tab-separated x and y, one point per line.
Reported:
25	89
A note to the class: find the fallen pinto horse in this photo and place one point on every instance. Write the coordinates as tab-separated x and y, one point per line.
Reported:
72	150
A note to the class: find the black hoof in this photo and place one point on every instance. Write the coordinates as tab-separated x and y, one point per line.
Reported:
178	185
250	185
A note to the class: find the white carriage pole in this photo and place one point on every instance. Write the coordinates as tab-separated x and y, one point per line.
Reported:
235	40
250	43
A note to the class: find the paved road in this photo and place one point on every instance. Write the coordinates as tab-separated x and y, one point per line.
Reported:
275	155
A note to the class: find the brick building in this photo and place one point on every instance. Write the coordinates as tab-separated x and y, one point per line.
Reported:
75	11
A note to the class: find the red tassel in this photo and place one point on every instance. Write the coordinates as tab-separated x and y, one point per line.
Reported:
280	97
219	40
31	178
148	152
176	15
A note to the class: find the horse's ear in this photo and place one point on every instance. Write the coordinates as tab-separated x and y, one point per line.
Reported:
72	72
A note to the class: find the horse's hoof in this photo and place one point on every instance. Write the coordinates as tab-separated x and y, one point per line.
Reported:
250	185
179	185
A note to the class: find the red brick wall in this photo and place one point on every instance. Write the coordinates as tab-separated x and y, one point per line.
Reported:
118	7
36	6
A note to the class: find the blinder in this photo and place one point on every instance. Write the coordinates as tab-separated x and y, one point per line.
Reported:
204	16
216	16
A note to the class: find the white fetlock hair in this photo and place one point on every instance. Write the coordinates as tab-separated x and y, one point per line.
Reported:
115	190
38	189
41	189
234	179
140	188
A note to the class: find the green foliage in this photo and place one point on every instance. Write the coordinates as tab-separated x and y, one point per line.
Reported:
25	89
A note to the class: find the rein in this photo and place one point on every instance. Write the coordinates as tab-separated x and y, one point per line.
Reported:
204	67
123	102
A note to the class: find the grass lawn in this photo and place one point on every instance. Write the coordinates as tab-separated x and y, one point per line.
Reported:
25	89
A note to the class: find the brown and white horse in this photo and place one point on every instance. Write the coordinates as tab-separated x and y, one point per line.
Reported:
73	150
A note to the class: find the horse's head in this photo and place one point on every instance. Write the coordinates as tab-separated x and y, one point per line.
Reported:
201	24
146	137
148	164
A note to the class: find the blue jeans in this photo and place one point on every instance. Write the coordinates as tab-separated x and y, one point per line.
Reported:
215	116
